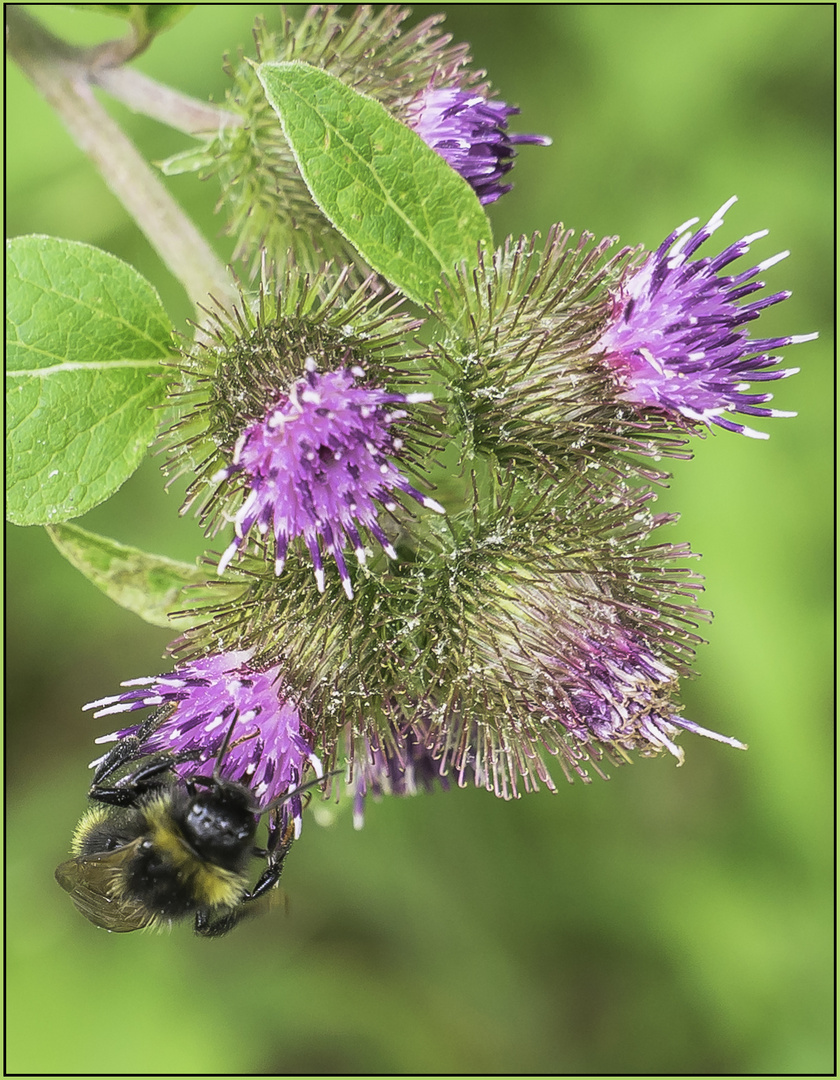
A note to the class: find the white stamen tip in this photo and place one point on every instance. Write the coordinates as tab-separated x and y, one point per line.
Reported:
348	588
224	562
686	225
726	205
762	266
320	581
432	504
416	399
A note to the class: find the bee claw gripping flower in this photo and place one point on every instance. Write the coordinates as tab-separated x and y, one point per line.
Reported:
677	342
317	465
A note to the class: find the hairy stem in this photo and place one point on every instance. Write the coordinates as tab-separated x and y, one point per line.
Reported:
64	76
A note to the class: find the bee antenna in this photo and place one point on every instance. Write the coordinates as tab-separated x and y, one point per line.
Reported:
223	749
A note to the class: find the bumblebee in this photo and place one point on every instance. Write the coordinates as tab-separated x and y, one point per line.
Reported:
156	849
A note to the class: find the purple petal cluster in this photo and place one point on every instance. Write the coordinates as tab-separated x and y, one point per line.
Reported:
615	691
399	767
470	134
677	339
318	467
269	745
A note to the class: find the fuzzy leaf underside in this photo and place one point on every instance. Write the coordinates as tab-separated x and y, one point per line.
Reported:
405	210
85	336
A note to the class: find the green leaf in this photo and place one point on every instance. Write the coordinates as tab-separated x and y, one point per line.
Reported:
85	333
148	19
407	212
152	586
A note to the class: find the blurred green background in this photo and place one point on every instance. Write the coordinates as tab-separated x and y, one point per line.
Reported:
670	921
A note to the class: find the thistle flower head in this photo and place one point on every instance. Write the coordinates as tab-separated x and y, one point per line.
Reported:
417	74
525	384
538	624
560	628
611	688
196	704
470	133
677	340
267	203
294	431
400	763
317	466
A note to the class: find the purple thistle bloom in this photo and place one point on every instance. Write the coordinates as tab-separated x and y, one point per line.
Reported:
317	465
677	340
470	134
614	690
397	767
269	746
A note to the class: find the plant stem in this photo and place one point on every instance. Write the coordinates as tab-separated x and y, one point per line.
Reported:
64	76
144	95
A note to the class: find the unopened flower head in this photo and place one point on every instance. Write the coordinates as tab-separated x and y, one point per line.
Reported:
195	705
318	466
677	341
469	131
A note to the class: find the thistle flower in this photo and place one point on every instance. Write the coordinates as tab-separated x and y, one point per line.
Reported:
317	465
397	764
560	628
676	341
614	690
295	421
470	134
268	204
195	705
525	384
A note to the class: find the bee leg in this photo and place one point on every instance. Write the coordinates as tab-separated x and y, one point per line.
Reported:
126	749
274	857
122	753
205	927
266	882
128	789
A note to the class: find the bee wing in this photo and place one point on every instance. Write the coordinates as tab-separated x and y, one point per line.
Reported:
90	880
